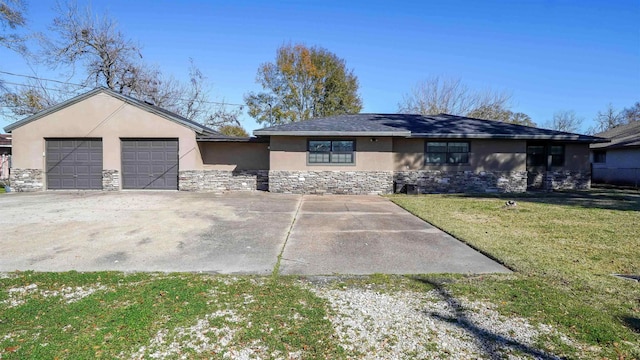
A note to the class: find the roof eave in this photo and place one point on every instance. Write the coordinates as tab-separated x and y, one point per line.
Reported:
573	138
331	133
232	139
9	128
151	109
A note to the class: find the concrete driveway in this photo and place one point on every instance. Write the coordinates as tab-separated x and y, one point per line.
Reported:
230	233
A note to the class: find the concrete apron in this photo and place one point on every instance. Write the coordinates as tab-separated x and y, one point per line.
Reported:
370	234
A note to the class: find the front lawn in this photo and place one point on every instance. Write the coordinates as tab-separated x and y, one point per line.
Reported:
563	247
115	315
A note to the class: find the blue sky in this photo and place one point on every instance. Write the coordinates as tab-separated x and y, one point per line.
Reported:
551	55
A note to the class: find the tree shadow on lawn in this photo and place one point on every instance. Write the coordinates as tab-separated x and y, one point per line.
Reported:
487	340
609	199
632	323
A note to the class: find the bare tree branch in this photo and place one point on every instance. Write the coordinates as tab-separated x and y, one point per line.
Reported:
631	113
565	120
451	96
12	17
109	59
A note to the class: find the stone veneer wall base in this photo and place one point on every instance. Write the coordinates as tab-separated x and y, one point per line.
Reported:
568	180
26	180
223	180
436	181
110	180
339	182
331	182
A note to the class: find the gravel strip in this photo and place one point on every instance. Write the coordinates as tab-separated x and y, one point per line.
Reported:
18	295
404	325
200	338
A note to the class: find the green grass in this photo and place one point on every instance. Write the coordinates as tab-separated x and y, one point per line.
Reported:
130	310
563	249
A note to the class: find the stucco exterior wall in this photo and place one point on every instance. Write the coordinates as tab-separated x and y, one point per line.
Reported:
101	116
576	158
234	156
485	155
622	167
290	153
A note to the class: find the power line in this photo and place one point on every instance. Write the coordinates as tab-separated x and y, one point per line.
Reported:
85	86
30	85
43	79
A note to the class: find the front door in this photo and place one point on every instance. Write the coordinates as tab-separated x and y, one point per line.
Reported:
536	165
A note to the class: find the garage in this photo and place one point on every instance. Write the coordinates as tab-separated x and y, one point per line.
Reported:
105	140
150	164
74	164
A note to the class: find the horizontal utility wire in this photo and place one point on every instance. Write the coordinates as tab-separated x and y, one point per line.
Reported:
81	86
37	78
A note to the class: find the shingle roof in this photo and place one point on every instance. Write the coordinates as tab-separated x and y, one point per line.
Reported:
226	138
199	128
621	136
418	126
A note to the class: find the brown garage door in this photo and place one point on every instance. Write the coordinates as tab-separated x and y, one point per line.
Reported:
150	164
74	164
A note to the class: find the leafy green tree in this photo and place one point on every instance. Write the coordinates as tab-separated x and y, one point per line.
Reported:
303	83
233	130
521	119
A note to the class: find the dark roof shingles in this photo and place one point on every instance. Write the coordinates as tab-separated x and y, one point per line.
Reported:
420	125
627	135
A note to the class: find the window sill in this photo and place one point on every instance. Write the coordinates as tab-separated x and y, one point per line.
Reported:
331	164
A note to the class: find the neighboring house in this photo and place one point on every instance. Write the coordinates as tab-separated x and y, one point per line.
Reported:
5	156
5	144
104	140
617	162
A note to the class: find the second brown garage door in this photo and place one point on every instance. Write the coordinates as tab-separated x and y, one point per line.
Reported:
150	164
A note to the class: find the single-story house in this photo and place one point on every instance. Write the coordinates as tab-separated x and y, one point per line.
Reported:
104	140
617	162
367	153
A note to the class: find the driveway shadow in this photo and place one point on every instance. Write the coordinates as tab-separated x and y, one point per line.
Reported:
488	341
